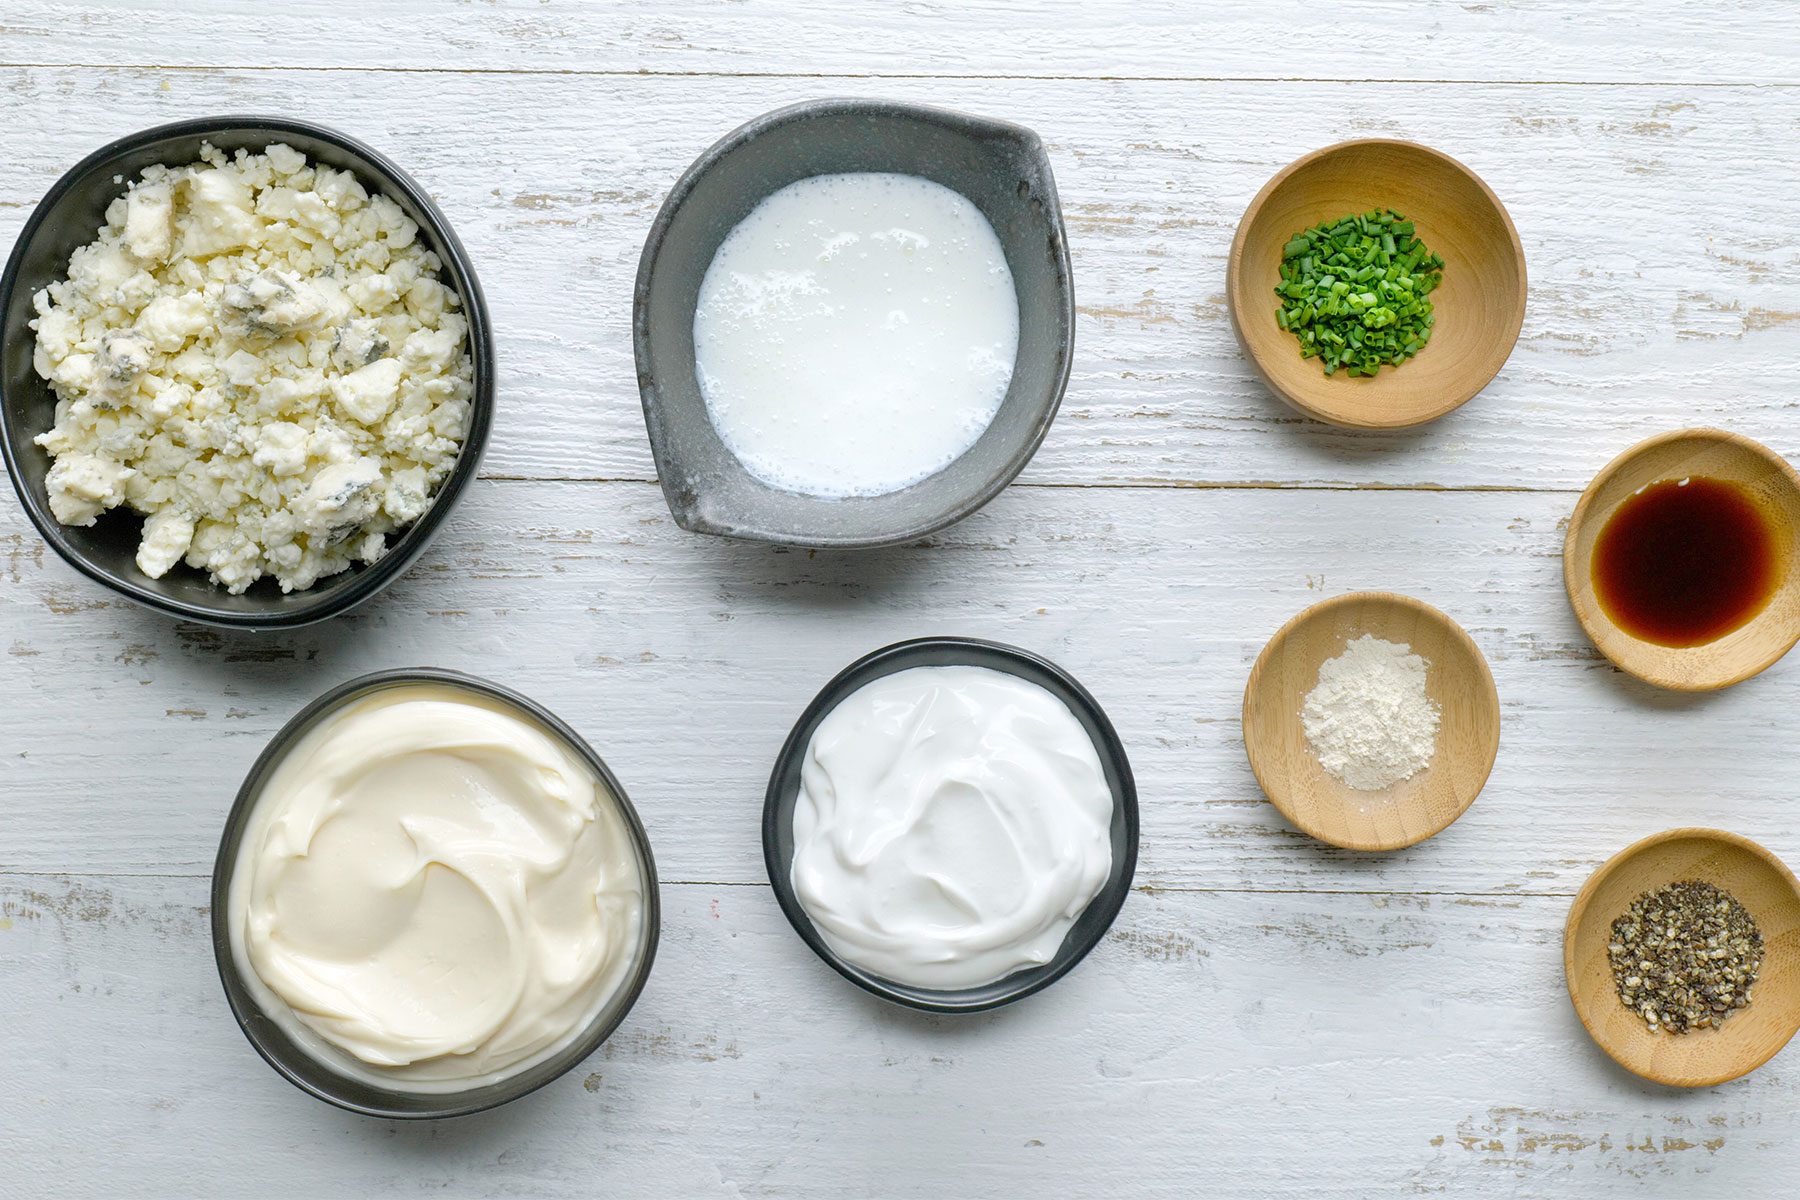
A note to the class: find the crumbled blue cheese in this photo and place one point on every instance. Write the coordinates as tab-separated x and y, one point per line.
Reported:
82	486
260	357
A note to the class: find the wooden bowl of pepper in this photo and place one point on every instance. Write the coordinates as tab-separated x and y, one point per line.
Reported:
1713	970
1336	258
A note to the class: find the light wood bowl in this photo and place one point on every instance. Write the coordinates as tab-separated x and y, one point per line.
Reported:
1750	1037
1721	455
1290	774
1480	305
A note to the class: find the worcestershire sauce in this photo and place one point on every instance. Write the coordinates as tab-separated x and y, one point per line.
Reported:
1686	561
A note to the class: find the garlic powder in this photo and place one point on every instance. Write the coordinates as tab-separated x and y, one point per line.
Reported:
259	356
1368	718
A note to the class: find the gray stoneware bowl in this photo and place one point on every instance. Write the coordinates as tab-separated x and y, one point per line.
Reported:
304	1070
68	217
1001	167
1095	920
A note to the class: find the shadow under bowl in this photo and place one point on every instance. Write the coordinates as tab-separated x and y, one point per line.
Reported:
1089	928
1000	167
1772	486
1479	307
306	1069
1745	1040
69	217
1318	803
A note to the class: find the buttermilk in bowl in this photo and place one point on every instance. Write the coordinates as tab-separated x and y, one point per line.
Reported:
433	892
856	333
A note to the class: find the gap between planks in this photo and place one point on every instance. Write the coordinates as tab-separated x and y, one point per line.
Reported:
965	77
1242	485
1148	889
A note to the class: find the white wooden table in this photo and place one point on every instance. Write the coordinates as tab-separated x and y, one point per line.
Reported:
1269	1018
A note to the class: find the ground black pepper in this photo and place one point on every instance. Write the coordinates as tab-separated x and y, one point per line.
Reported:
1685	956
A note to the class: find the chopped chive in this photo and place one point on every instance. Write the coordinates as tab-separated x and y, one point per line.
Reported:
1353	292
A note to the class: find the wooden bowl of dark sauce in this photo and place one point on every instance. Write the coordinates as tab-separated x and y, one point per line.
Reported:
1679	560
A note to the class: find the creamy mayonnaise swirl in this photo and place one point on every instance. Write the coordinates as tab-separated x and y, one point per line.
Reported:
433	891
951	825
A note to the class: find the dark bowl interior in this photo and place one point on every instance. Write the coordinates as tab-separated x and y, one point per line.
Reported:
1002	168
68	217
300	1067
1083	936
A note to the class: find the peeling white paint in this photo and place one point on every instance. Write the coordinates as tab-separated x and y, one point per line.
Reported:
1269	1018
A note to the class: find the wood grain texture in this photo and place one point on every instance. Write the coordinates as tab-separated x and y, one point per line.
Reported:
1270	1017
685	660
1662	271
1526	40
1229	1045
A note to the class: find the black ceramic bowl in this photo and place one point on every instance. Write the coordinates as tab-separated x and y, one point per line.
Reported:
1000	167
304	1069
67	218
1083	936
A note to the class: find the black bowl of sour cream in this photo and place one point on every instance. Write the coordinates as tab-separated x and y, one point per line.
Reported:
853	323
952	824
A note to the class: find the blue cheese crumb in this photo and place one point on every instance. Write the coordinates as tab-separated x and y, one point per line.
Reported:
259	356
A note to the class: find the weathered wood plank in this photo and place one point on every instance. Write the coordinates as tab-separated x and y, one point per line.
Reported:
1730	41
1251	1046
686	659
1663	272
1270	1018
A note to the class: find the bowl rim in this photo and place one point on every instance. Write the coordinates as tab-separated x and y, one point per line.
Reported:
971	652
1278	796
372	578
1584	899
449	1104
1234	283
1584	513
650	389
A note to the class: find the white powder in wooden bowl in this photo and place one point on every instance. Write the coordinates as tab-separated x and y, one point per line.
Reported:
1368	718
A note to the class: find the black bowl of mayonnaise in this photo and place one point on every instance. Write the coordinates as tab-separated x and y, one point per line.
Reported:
431	897
952	824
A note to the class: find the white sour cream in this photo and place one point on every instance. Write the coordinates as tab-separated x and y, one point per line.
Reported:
433	891
856	333
952	824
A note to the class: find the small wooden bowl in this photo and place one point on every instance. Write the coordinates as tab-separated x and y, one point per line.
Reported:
1290	773
1750	1037
1720	455
1480	306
